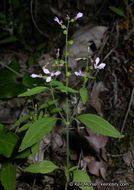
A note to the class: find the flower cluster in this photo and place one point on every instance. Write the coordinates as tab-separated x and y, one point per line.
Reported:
96	66
47	72
60	22
80	73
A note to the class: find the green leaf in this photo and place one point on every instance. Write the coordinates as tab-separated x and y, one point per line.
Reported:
65	32
72	20
82	178
33	91
73	168
24	127
8	176
91	67
22	155
63	26
36	131
8	141
99	125
62	61
83	94
41	115
49	103
8	40
68	74
55	110
117	11
66	89
42	167
56	83
20	120
70	42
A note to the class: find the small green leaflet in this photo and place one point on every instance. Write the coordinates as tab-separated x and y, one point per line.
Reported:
8	176
83	94
42	167
63	26
49	103
36	131
117	11
66	89
24	127
99	125
70	42
82	177
19	121
24	154
33	91
65	32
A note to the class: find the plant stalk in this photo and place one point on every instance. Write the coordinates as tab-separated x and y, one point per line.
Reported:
67	104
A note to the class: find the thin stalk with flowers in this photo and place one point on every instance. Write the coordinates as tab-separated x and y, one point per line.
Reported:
65	31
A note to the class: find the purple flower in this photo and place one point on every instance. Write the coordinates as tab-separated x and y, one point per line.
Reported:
46	71
80	73
58	21
100	66
79	15
79	58
36	76
58	52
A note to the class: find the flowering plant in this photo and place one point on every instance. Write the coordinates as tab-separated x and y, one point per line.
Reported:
43	125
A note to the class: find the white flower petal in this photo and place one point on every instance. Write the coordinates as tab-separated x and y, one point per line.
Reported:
79	15
57	73
36	76
46	71
97	60
101	66
48	79
77	73
56	19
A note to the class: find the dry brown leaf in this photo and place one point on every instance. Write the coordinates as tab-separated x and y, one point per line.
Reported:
95	166
96	140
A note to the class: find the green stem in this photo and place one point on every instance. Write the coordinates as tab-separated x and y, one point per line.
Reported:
52	93
66	186
67	104
15	72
